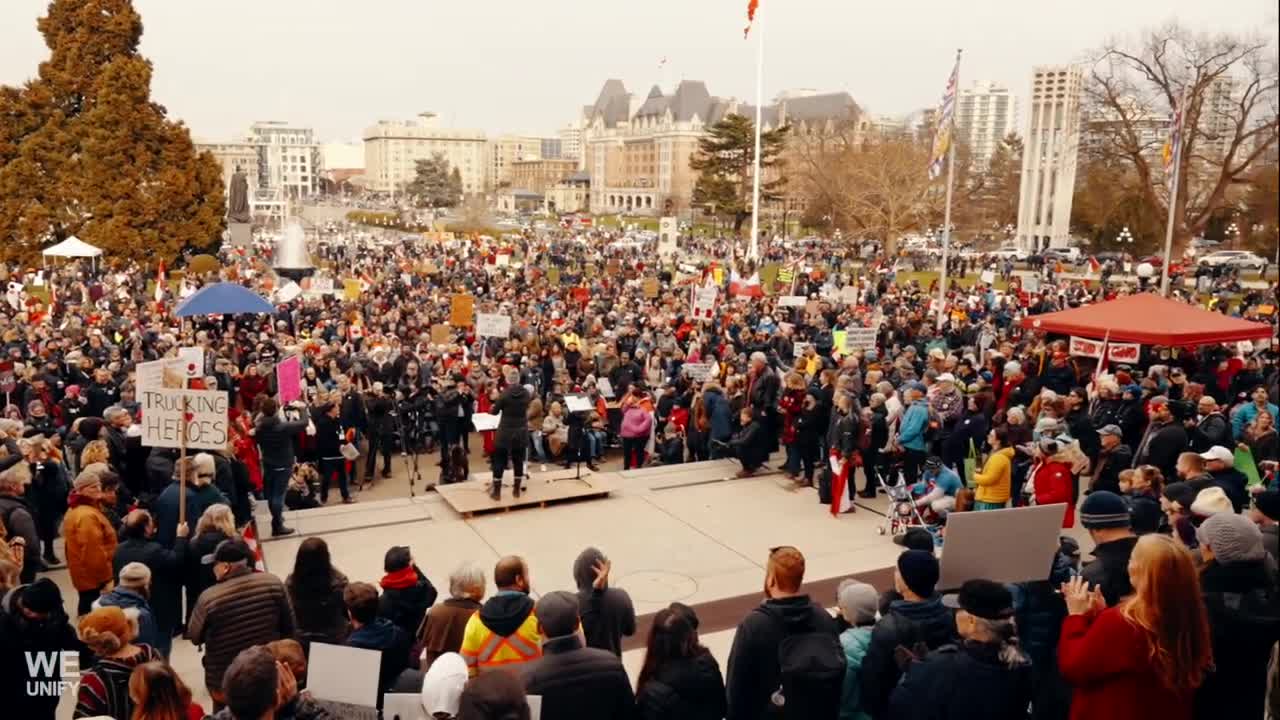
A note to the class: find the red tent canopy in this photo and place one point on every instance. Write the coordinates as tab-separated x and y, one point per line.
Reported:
1149	319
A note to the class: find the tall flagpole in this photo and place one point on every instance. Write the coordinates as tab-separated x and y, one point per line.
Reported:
753	248
1173	191
946	235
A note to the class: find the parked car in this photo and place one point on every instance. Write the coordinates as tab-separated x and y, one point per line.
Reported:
1242	259
1069	255
1010	252
1114	256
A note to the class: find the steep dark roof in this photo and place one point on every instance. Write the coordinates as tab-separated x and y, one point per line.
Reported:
613	103
820	107
691	98
655	104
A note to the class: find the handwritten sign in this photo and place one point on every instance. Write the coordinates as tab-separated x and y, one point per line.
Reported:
988	277
192	361
322	285
167	373
493	325
461	310
697	372
166	411
651	287
1116	352
859	339
440	334
289	379
792	301
704	302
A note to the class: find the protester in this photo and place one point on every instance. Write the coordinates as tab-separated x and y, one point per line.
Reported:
494	696
158	693
256	685
1108	519
166	569
1113	456
574	681
607	612
504	632
275	438
1147	656
857	603
245	608
442	686
18	520
371	632
407	594
109	633
679	677
216	524
754	669
315	589
32	620
90	538
995	480
445	623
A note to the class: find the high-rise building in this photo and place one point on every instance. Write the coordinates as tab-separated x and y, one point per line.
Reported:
392	148
506	150
985	114
552	149
571	141
1217	124
1052	142
288	157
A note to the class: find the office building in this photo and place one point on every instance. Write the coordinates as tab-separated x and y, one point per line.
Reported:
506	150
571	141
540	175
392	148
1052	143
985	114
288	158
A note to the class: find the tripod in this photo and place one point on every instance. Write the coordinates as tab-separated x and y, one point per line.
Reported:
408	452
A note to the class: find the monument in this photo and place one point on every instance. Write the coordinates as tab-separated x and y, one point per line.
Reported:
239	212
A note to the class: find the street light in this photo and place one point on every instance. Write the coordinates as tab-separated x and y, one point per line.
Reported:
1233	234
1125	236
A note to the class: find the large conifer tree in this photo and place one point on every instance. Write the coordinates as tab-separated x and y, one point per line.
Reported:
84	151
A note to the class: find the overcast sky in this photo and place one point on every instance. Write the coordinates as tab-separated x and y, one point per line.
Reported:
522	66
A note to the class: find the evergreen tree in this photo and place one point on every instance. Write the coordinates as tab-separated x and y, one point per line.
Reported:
433	185
84	151
724	162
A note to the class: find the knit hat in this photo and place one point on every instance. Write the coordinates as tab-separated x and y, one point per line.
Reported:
984	598
1211	501
1104	509
1268	503
41	596
857	601
557	613
442	686
107	629
1233	538
135	575
919	571
1182	494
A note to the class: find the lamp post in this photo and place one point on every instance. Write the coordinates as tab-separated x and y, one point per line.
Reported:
1233	235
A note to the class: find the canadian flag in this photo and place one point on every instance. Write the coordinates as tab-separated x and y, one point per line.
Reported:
749	287
840	469
1094	266
161	280
250	537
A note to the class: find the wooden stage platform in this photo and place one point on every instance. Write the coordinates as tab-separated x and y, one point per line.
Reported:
541	489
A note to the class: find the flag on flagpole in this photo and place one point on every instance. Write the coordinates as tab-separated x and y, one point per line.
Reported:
250	537
840	468
943	128
160	281
745	287
1170	150
751	17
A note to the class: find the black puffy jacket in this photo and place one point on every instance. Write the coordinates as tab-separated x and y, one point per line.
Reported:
687	688
906	624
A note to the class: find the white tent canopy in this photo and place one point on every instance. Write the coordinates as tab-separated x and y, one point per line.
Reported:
73	247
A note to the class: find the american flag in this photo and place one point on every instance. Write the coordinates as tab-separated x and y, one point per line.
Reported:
946	114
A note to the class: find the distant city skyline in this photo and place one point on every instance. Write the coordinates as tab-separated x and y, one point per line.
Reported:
507	67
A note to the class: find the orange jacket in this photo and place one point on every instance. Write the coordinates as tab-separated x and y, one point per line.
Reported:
91	544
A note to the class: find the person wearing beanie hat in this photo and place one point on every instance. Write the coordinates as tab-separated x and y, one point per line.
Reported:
109	632
1107	518
918	618
133	593
1244	613
858	603
1266	513
574	680
32	616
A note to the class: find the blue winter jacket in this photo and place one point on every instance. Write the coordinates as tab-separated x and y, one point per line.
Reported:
855	642
914	422
148	632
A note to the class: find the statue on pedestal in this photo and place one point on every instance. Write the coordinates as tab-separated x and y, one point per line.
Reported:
238	201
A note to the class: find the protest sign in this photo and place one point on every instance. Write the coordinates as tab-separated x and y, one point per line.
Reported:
440	334
1031	283
859	339
461	309
792	301
192	361
553	276
165	412
322	285
1006	546
838	339
704	302
167	373
605	387
1084	347
289	379
1245	463
849	295
697	372
8	381
350	289
1123	352
651	287
988	277
493	325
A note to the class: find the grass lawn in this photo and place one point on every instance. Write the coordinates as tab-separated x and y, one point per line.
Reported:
926	278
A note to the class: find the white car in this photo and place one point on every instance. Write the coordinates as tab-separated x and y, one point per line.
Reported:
1010	252
1234	258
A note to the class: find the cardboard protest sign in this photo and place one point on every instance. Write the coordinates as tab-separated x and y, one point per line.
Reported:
192	361
697	372
440	334
350	289
988	277
8	381
812	306
1007	546
553	276
792	301
167	373
651	287
165	412
289	379
704	302
859	339
461	310
322	285
493	325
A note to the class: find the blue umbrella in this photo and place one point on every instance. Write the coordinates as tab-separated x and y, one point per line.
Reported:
224	298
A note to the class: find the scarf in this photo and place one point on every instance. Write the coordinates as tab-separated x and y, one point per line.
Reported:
400	579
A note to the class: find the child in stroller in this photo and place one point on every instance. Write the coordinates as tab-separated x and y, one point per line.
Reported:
923	504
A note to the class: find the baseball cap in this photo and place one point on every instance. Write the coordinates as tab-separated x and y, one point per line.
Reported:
946	377
442	686
1219	453
916	538
230	550
1111	429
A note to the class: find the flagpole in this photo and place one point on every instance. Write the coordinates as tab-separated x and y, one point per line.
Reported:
946	214
1173	192
753	248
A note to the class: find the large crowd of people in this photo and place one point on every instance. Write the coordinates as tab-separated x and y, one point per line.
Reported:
1176	615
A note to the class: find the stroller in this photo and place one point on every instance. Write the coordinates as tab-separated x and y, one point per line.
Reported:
903	514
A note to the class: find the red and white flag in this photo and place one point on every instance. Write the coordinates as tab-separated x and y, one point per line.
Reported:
161	281
840	471
752	5
748	287
250	537
1094	265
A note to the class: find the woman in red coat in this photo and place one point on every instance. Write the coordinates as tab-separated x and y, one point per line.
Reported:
792	404
1145	657
1052	480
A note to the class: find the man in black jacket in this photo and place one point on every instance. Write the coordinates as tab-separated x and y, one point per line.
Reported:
574	681
32	620
380	407
1164	440
1107	518
1113	456
19	521
275	440
753	672
608	614
168	569
918	622
764	388
512	438
1211	427
407	593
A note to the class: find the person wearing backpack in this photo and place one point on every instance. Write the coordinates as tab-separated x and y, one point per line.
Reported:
917	623
786	660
